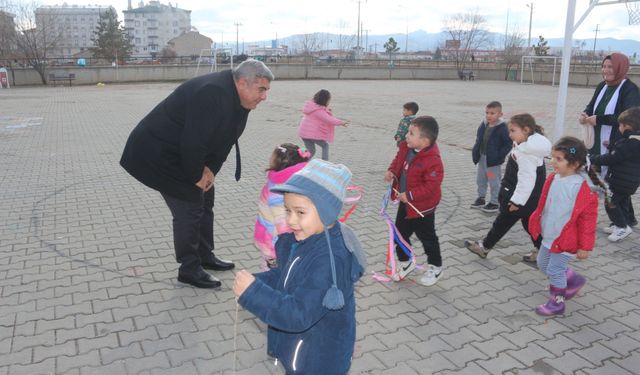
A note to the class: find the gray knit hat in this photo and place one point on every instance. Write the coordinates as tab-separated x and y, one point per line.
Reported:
325	184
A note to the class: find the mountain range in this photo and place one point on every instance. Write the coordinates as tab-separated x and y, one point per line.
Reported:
422	41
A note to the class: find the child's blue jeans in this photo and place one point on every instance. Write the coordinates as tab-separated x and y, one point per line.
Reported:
554	265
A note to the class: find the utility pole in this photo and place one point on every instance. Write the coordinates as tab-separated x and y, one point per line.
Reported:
506	31
406	39
359	32
237	24
595	40
530	20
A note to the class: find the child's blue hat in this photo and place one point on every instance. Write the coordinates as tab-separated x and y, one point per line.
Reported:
325	184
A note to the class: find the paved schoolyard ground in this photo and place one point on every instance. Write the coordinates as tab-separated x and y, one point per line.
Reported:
88	279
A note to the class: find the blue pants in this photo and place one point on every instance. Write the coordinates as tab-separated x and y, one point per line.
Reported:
488	176
554	265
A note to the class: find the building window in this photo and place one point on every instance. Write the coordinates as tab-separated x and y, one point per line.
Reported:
137	40
137	23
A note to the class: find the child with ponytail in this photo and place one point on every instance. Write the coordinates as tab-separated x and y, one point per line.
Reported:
565	220
285	160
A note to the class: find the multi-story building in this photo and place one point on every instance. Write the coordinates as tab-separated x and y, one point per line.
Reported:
153	25
71	25
7	35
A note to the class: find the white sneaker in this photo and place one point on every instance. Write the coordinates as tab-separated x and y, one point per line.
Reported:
608	229
619	233
404	268
431	276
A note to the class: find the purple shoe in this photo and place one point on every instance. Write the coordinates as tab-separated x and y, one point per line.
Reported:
555	304
575	282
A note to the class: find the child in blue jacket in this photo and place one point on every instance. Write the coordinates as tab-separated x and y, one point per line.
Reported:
308	299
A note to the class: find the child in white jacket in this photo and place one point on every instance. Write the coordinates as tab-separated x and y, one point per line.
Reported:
522	183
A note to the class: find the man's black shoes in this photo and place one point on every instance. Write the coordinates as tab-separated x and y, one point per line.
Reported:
199	280
218	264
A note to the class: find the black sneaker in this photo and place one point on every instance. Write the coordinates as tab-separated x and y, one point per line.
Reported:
490	207
478	203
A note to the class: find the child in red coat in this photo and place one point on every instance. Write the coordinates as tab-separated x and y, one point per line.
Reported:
566	219
417	174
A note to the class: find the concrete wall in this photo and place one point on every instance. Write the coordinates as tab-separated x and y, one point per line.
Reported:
150	73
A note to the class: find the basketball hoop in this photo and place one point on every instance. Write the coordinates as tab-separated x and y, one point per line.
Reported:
633	7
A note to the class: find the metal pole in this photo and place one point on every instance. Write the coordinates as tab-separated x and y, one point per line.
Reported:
595	39
238	24
530	20
558	129
506	32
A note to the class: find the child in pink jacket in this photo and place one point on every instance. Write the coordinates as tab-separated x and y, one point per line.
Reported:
318	123
285	160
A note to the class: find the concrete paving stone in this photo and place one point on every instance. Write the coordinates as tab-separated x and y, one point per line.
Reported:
369	343
106	284
63	335
168	306
22	357
151	347
459	321
130	312
65	364
630	362
549	328
86	345
400	368
21	342
458	339
367	364
437	362
462	356
522	337
611	328
5	343
489	329
130	290
149	333
48	325
186	313
91	276
104	328
631	319
424	332
165	330
9	290
568	363
45	367
597	354
498	365
608	368
43	352
80	308
494	345
133	350
585	336
110	369
185	369
177	357
622	344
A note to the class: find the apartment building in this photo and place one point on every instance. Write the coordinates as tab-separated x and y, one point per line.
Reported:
151	26
72	25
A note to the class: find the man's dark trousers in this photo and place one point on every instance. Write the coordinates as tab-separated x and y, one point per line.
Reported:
192	231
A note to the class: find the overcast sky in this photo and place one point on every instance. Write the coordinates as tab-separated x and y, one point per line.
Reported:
262	19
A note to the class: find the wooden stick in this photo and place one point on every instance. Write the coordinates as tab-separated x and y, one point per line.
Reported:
410	205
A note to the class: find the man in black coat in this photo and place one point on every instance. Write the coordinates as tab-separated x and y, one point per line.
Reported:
179	147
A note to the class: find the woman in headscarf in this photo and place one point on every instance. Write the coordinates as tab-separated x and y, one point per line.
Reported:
600	118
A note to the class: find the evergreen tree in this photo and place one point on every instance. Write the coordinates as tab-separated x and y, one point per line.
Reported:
542	49
110	38
391	46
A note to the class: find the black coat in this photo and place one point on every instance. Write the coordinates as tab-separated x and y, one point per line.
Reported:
508	187
628	97
623	160
498	146
194	126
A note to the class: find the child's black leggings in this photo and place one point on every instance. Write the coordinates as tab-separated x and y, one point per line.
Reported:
501	226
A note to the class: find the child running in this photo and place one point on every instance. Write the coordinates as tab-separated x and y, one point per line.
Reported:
417	173
285	160
565	219
409	111
308	299
492	146
623	174
522	182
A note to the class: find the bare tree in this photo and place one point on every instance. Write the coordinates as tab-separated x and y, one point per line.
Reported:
470	29
7	33
308	43
513	51
37	36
